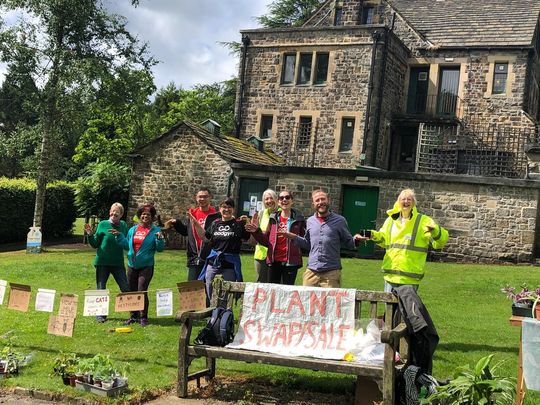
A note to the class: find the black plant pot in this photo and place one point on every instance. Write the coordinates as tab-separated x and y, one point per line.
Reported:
522	311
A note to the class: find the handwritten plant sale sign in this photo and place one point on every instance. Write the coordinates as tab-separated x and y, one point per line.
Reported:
296	321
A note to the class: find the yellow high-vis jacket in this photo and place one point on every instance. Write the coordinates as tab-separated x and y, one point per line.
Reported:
407	245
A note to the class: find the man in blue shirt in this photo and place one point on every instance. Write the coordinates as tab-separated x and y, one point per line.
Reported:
326	233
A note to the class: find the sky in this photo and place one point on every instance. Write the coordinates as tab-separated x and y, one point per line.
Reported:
184	35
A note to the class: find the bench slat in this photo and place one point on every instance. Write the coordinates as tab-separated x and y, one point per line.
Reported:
335	366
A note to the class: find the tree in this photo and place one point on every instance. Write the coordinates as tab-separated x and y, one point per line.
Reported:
118	118
75	43
214	101
284	13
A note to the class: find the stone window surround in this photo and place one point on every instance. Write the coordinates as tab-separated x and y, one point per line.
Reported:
314	51
435	65
259	113
500	58
357	133
314	114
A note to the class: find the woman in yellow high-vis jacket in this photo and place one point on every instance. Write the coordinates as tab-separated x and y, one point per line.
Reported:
406	235
269	198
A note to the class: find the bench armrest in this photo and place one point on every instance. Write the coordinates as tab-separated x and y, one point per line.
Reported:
193	315
392	336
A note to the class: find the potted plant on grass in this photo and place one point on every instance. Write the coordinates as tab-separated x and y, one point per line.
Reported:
64	365
480	386
523	300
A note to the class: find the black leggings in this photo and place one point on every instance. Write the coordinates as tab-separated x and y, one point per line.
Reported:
280	273
139	280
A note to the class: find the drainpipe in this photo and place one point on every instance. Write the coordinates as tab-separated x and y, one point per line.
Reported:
245	43
377	125
376	35
230	180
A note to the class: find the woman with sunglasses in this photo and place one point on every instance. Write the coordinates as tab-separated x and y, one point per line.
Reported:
284	258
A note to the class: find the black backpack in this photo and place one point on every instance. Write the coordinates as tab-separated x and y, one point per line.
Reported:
219	331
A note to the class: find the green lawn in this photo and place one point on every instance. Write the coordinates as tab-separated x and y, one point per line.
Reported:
470	313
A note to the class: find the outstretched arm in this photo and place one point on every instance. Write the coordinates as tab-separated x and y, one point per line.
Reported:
198	227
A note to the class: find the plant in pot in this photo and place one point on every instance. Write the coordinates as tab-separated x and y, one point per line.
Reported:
11	358
120	377
65	365
524	300
479	386
102	368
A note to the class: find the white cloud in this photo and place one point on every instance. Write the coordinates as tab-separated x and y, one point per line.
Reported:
184	35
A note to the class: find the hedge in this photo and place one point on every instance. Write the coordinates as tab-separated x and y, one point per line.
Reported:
17	197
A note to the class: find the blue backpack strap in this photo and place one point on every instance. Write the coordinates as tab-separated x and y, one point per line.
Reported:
227	318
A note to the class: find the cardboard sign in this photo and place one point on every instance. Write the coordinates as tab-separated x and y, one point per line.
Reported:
164	302
68	305
131	301
19	297
61	325
3	286
191	296
45	300
296	321
96	303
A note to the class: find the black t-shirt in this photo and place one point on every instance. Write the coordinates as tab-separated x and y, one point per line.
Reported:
226	236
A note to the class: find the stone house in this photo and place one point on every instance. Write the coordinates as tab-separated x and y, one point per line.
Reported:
170	169
369	97
441	96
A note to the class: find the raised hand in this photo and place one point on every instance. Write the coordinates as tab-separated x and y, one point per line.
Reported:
251	227
159	235
255	219
169	223
114	232
88	229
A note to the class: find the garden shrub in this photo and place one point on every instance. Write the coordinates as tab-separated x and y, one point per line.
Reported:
17	213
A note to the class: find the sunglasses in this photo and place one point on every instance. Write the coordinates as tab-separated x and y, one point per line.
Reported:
284	197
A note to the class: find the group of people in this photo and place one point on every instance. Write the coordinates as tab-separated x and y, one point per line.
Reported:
141	241
281	233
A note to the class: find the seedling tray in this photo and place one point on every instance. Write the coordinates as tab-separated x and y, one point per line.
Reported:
81	386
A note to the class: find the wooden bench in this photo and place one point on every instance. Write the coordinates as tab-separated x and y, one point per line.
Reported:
369	304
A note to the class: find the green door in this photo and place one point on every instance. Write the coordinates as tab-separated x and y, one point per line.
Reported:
360	209
250	195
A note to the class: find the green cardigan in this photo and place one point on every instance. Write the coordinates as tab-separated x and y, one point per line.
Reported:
109	253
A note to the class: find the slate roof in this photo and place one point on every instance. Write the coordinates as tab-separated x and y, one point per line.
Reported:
228	147
471	23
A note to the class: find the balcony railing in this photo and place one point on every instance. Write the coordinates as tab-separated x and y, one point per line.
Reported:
442	105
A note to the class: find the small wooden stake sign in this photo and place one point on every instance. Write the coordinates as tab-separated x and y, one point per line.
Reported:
61	325
131	301
191	296
19	297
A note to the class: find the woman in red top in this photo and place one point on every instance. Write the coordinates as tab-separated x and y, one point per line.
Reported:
284	257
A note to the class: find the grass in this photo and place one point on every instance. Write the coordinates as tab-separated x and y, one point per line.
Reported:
469	311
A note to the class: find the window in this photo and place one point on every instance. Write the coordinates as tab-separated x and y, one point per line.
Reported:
367	15
500	75
321	68
289	63
303	138
347	132
338	16
266	126
304	72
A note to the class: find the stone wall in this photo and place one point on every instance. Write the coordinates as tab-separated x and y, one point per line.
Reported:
489	220
343	95
169	172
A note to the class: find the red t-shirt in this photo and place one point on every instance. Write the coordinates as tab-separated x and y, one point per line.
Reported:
280	250
138	237
201	217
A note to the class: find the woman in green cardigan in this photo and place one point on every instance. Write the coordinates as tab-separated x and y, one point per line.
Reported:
109	256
